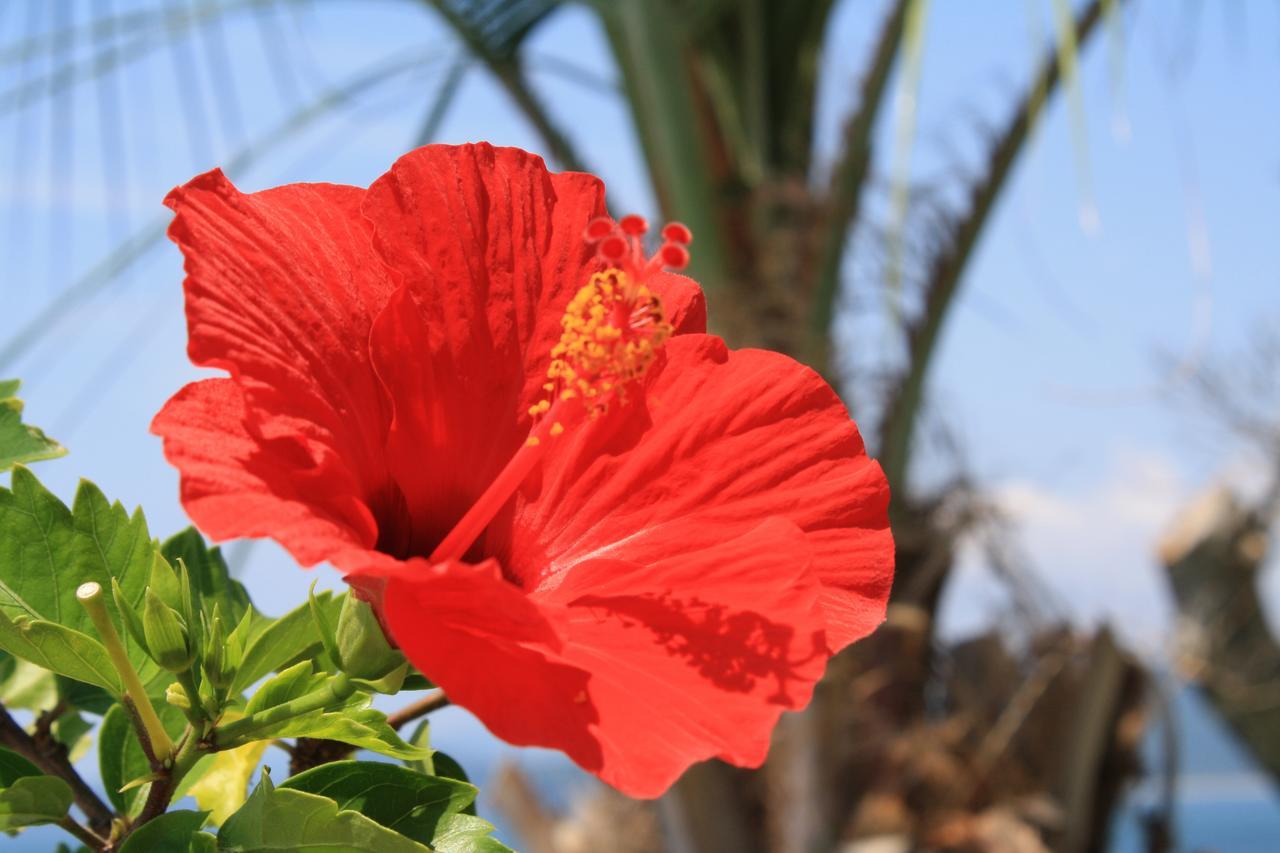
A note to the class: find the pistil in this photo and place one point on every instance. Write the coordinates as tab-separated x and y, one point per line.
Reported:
612	330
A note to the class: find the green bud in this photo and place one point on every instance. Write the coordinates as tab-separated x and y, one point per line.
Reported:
219	666
132	621
176	696
164	582
166	635
362	646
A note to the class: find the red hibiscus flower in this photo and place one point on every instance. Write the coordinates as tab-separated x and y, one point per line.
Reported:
586	519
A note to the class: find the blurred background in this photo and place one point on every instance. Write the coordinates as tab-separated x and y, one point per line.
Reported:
1033	243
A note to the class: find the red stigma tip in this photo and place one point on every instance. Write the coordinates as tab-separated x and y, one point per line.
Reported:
677	232
635	226
597	229
674	256
613	249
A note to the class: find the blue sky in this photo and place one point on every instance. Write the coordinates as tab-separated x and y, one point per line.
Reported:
1050	372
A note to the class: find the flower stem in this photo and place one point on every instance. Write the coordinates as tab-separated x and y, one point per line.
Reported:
90	597
233	734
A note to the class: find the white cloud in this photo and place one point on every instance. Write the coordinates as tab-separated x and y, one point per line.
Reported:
1092	548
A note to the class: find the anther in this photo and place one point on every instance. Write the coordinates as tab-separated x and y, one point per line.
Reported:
677	232
634	226
674	256
597	229
612	249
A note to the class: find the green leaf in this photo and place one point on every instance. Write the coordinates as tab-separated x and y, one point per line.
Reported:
275	643
48	550
352	722
59	649
121	757
69	729
283	819
13	767
436	763
86	697
421	807
20	443
364	729
211	580
27	797
173	832
34	800
27	686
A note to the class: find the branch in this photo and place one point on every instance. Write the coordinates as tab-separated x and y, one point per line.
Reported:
51	757
1212	557
86	837
424	706
845	194
945	271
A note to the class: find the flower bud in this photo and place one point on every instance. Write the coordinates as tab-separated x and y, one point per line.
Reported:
220	658
176	696
362	645
128	614
166	635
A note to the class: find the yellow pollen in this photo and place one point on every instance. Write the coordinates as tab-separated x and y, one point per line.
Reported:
613	329
557	428
532	441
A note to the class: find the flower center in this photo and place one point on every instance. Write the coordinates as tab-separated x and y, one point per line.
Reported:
612	330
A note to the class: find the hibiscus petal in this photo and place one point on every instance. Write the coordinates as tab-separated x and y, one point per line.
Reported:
491	249
235	483
718	442
490	648
696	655
281	291
635	671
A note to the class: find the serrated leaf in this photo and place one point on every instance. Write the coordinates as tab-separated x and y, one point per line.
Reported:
48	550
121	758
19	442
59	649
173	832
27	797
282	819
225	785
415	805
276	643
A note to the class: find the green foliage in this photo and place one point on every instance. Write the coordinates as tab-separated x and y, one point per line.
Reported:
176	604
170	833
428	809
283	819
274	644
121	758
346	719
27	797
20	443
211	580
46	552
